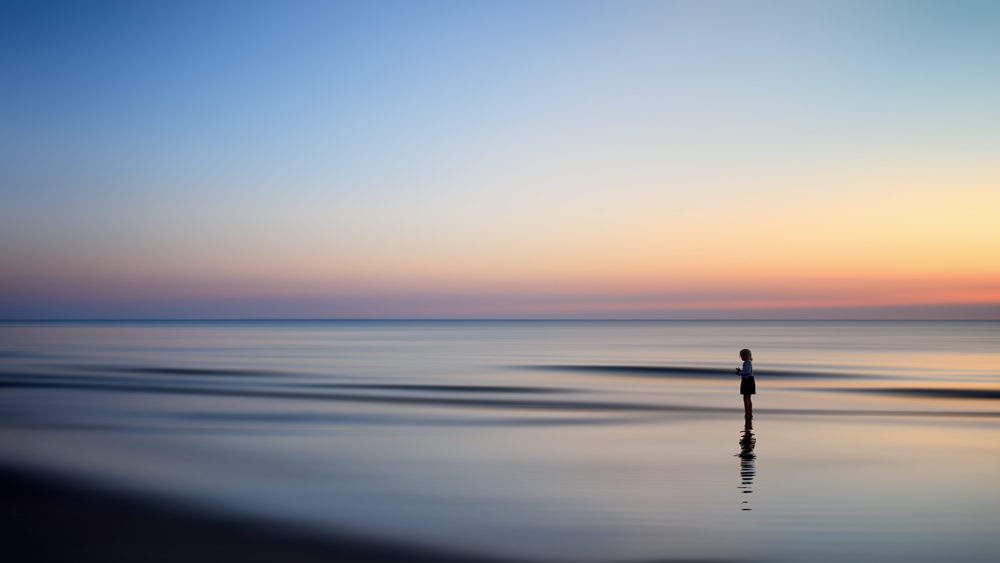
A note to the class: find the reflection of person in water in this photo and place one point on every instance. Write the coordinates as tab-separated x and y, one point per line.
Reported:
747	385
747	457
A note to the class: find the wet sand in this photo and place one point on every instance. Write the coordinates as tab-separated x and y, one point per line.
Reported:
424	441
45	519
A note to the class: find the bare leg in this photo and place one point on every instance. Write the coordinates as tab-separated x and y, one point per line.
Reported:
749	406
746	406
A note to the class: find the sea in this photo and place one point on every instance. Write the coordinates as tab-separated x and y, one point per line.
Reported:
544	441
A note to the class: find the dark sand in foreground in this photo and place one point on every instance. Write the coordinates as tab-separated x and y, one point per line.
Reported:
47	519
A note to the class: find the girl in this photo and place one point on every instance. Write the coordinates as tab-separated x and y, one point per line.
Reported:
747	385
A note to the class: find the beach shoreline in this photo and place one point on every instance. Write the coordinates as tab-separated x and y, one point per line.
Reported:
48	518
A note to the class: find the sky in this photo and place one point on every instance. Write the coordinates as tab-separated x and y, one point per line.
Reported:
499	159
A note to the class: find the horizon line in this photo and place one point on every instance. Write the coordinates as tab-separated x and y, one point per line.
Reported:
466	319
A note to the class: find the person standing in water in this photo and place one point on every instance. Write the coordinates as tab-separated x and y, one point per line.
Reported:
747	385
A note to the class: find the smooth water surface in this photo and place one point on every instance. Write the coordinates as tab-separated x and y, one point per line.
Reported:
544	441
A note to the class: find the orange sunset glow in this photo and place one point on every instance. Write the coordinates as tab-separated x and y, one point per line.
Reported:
793	175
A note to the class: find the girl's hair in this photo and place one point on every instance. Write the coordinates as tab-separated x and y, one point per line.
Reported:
746	355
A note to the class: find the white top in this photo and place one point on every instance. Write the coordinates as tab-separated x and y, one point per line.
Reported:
747	370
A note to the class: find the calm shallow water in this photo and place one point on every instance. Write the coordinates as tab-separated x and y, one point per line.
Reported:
546	441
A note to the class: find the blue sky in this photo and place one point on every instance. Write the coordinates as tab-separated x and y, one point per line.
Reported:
160	156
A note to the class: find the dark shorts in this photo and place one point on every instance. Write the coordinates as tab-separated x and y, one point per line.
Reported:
747	386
